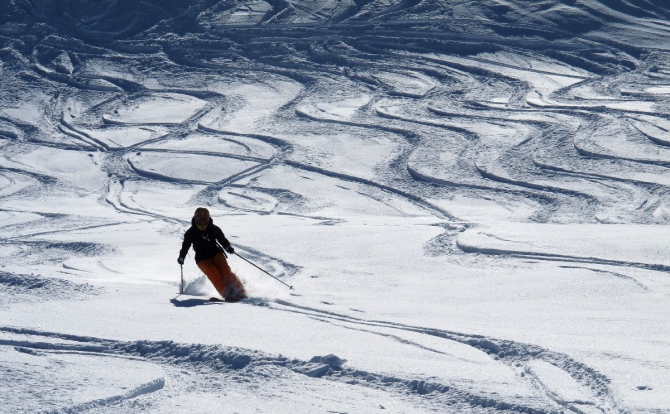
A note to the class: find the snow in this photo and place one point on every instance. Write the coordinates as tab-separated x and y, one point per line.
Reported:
469	200
187	167
165	108
75	381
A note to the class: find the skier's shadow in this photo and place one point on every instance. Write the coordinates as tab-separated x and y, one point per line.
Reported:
192	302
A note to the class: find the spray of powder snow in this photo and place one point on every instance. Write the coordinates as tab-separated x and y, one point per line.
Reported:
200	286
260	285
257	284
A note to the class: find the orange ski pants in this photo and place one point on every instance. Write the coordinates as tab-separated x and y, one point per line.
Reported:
218	272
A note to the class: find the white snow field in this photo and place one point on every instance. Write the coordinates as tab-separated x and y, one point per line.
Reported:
470	199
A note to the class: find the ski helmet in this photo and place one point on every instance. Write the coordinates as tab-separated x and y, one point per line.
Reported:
201	218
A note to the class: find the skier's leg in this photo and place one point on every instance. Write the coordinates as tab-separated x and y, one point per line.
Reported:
214	276
233	283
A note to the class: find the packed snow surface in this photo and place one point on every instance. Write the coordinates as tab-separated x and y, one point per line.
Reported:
470	199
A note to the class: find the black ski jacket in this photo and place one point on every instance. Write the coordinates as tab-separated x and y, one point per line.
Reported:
204	242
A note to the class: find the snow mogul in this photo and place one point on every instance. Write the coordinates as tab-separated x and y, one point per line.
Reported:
209	243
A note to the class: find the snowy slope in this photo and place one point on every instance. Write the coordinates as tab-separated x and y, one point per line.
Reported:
470	199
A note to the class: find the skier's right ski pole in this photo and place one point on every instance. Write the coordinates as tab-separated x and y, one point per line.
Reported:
181	286
254	265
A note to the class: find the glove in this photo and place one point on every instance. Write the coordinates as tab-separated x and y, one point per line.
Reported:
230	249
180	260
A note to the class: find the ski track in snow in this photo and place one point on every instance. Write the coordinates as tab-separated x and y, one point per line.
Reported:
554	113
227	361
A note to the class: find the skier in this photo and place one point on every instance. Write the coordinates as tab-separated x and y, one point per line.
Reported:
208	242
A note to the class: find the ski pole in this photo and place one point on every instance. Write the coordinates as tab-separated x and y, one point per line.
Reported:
256	266
181	286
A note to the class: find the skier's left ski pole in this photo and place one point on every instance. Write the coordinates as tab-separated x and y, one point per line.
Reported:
254	265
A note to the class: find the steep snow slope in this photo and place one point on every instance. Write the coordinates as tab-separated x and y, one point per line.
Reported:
469	197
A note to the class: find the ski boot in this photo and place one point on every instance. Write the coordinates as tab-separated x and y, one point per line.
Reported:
235	293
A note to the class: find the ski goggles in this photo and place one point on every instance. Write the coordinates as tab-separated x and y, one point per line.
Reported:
202	221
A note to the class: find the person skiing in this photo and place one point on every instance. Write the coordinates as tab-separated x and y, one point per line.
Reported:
208	243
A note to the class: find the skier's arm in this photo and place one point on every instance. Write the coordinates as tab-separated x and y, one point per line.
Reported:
185	245
221	238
